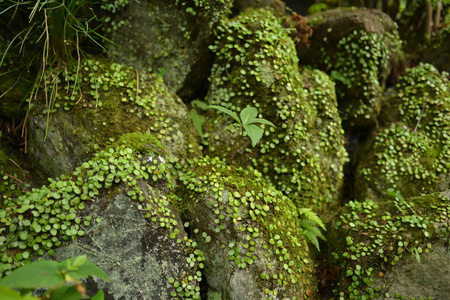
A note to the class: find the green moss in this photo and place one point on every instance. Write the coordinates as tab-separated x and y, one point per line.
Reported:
99	102
256	65
42	219
114	87
424	97
374	236
358	68
413	154
258	226
144	144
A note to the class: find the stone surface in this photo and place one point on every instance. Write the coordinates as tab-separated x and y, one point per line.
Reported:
378	246
428	278
357	48
169	37
115	208
114	100
136	253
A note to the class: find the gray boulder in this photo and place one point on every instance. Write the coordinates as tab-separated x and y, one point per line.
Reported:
168	37
357	48
393	248
249	232
256	65
115	208
98	104
410	151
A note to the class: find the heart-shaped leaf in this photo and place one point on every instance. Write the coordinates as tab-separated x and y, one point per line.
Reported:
248	114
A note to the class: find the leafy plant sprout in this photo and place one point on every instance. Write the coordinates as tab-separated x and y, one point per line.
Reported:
62	280
247	122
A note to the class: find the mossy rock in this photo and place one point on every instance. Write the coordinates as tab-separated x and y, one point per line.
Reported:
256	65
278	6
116	209
374	244
98	103
357	48
249	232
411	152
168	37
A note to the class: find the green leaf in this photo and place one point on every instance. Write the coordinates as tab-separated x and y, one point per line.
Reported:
86	270
199	104
9	294
99	296
248	114
42	274
198	121
310	215
66	293
254	132
78	261
227	111
311	232
262	121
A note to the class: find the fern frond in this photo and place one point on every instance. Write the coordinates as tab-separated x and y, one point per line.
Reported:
310	215
310	228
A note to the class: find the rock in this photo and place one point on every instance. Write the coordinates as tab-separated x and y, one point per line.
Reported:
411	151
250	233
115	209
357	48
427	278
104	102
394	248
168	38
278	6
256	65
136	253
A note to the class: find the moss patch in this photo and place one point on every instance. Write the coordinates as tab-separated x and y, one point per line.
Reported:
413	153
247	229
256	65
42	219
168	38
98	103
373	237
